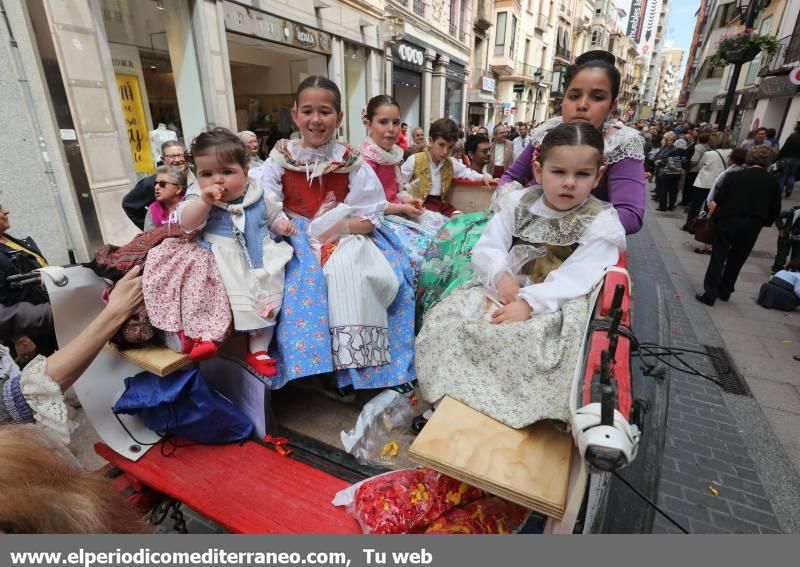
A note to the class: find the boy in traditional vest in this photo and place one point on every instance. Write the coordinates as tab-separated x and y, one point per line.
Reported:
428	175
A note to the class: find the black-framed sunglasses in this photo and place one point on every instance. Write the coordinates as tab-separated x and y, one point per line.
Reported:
163	184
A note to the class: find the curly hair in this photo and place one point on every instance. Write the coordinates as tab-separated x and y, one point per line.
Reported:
762	155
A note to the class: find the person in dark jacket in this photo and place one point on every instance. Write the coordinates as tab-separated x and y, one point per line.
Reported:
790	158
669	161
138	199
745	202
24	305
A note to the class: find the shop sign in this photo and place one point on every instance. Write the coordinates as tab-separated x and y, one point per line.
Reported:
135	125
410	55
776	86
507	106
488	84
718	103
248	21
455	72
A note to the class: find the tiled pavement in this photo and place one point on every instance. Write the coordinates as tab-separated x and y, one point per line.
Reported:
730	462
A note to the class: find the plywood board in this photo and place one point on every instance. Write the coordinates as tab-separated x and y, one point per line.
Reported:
528	466
156	359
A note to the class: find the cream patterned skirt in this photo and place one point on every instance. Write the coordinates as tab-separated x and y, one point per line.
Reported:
516	373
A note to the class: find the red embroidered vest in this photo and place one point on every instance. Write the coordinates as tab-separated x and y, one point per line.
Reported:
304	197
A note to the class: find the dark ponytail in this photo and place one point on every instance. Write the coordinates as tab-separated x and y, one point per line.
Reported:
376	102
597	59
572	134
317	82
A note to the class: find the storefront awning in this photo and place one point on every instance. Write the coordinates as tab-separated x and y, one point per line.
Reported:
704	92
480	97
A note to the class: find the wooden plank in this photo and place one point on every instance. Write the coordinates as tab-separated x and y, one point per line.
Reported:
528	466
246	488
156	359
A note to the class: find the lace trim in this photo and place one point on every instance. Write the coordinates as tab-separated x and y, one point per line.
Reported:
623	145
360	346
563	231
620	143
46	400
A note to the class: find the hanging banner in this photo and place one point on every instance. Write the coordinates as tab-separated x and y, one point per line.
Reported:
135	123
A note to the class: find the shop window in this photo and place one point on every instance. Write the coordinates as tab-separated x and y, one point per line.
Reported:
137	39
500	34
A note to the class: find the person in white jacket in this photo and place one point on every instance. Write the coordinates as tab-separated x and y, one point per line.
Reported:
711	164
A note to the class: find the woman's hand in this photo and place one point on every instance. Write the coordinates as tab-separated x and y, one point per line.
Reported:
507	289
127	297
285	227
26	350
712	206
514	312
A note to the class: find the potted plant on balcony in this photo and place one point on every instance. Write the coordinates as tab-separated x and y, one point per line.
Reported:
742	47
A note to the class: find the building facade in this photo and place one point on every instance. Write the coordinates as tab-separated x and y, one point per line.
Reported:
669	83
108	79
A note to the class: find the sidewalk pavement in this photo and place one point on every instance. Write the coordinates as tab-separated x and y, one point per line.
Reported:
761	344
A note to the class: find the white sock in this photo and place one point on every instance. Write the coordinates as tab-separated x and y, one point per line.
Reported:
260	339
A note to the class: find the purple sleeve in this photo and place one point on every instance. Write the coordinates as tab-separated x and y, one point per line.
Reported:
520	170
626	191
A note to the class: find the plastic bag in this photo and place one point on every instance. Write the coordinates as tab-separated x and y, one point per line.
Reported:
329	224
405	501
366	441
489	515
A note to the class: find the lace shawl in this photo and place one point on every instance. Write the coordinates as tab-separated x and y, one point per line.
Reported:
621	142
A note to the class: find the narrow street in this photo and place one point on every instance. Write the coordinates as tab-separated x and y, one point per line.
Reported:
730	461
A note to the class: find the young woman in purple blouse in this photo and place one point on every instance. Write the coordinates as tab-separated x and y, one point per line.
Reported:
591	95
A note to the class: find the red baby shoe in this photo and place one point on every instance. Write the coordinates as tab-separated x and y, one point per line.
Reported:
261	362
203	350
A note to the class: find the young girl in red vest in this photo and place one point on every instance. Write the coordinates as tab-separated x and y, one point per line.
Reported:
413	225
350	310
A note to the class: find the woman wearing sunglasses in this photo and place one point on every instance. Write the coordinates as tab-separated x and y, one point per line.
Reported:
170	186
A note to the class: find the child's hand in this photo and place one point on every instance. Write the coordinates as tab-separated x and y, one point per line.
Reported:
411	210
507	289
285	227
212	193
514	312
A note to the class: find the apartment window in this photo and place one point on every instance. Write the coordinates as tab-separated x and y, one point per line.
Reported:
500	34
513	35
595	37
527	51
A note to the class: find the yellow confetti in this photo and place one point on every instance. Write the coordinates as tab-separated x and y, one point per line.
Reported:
787	342
714	491
390	449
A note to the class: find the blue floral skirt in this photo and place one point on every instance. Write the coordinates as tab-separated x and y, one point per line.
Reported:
302	344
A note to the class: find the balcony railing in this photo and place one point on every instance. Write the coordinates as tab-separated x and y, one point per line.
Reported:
563	53
540	22
529	72
787	56
483	16
419	7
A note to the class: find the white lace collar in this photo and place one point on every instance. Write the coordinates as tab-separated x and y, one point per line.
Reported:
540	208
326	152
